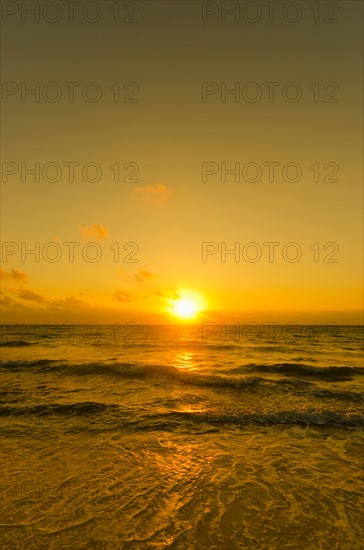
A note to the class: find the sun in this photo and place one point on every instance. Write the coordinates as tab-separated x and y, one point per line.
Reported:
187	306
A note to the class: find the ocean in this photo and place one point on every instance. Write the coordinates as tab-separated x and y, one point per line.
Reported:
207	436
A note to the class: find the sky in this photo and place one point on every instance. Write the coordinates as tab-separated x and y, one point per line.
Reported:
182	151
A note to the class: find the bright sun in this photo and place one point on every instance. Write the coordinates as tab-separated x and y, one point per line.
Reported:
187	306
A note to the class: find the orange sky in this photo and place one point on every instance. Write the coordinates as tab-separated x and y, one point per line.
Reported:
173	191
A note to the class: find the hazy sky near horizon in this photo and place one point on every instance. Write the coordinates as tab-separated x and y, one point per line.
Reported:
149	103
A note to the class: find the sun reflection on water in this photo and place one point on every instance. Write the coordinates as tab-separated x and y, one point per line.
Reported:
185	361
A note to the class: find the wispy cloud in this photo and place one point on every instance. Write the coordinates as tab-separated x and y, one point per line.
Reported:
143	276
95	231
121	296
25	294
15	275
157	193
28	300
67	302
169	295
7	301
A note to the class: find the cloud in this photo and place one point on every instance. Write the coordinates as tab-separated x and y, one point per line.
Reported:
30	303
30	296
168	295
25	294
157	193
67	302
121	296
15	275
6	301
95	230
157	293
143	276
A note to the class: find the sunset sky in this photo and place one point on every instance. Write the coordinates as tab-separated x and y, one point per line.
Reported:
164	135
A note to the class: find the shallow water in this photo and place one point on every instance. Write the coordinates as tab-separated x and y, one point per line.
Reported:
182	437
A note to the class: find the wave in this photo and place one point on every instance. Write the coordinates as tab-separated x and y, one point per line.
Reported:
20	364
326	418
119	418
149	371
68	409
298	369
233	377
15	343
338	395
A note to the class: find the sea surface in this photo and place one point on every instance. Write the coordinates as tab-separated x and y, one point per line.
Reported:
198	437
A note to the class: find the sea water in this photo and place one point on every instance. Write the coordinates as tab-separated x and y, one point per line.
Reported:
191	437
